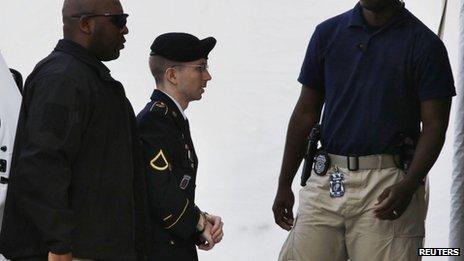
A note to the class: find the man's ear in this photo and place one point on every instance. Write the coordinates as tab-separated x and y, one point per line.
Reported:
171	75
86	25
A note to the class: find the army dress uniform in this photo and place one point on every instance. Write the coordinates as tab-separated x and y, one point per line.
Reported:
171	166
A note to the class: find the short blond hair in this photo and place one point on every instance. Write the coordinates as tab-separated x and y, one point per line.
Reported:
158	66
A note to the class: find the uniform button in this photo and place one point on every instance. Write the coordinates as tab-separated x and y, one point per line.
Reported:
3	148
193	165
172	242
186	146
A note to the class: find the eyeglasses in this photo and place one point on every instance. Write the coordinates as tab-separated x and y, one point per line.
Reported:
199	67
118	20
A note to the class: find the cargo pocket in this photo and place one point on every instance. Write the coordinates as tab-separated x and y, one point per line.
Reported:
315	194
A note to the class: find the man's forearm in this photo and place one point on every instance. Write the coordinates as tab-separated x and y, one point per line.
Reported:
427	151
435	117
298	130
304	117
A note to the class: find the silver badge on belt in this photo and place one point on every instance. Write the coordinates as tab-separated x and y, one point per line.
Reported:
337	187
321	164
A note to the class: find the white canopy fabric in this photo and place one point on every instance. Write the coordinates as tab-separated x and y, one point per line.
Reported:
443	19
456	237
10	101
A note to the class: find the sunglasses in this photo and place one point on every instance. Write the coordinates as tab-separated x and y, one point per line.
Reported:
118	20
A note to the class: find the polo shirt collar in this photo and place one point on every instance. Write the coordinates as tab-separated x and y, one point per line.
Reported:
356	18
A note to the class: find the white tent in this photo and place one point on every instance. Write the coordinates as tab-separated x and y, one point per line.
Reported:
457	187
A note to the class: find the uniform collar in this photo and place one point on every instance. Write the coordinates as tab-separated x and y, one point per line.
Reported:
82	54
356	18
176	103
159	95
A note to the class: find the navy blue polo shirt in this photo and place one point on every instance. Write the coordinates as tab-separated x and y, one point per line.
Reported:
374	80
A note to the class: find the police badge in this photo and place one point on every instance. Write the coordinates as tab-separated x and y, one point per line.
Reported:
321	164
337	187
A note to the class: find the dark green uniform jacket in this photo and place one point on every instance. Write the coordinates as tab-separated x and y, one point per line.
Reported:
171	165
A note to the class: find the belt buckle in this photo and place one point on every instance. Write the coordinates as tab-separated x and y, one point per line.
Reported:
352	162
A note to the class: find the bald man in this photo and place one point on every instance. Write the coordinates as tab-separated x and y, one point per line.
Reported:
76	186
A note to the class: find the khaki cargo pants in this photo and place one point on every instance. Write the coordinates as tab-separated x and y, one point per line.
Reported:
333	229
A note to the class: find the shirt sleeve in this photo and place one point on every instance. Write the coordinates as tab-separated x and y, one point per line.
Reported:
432	73
174	209
312	70
51	135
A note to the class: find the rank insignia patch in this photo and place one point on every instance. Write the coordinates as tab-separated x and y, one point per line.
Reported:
159	162
185	181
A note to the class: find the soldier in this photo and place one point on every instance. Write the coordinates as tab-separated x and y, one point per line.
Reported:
178	62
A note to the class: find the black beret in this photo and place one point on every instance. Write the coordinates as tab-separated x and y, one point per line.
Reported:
182	47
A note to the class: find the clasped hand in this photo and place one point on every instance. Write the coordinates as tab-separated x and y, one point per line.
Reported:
213	232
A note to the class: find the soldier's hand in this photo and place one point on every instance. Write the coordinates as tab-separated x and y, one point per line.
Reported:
56	257
394	200
216	232
282	208
207	236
